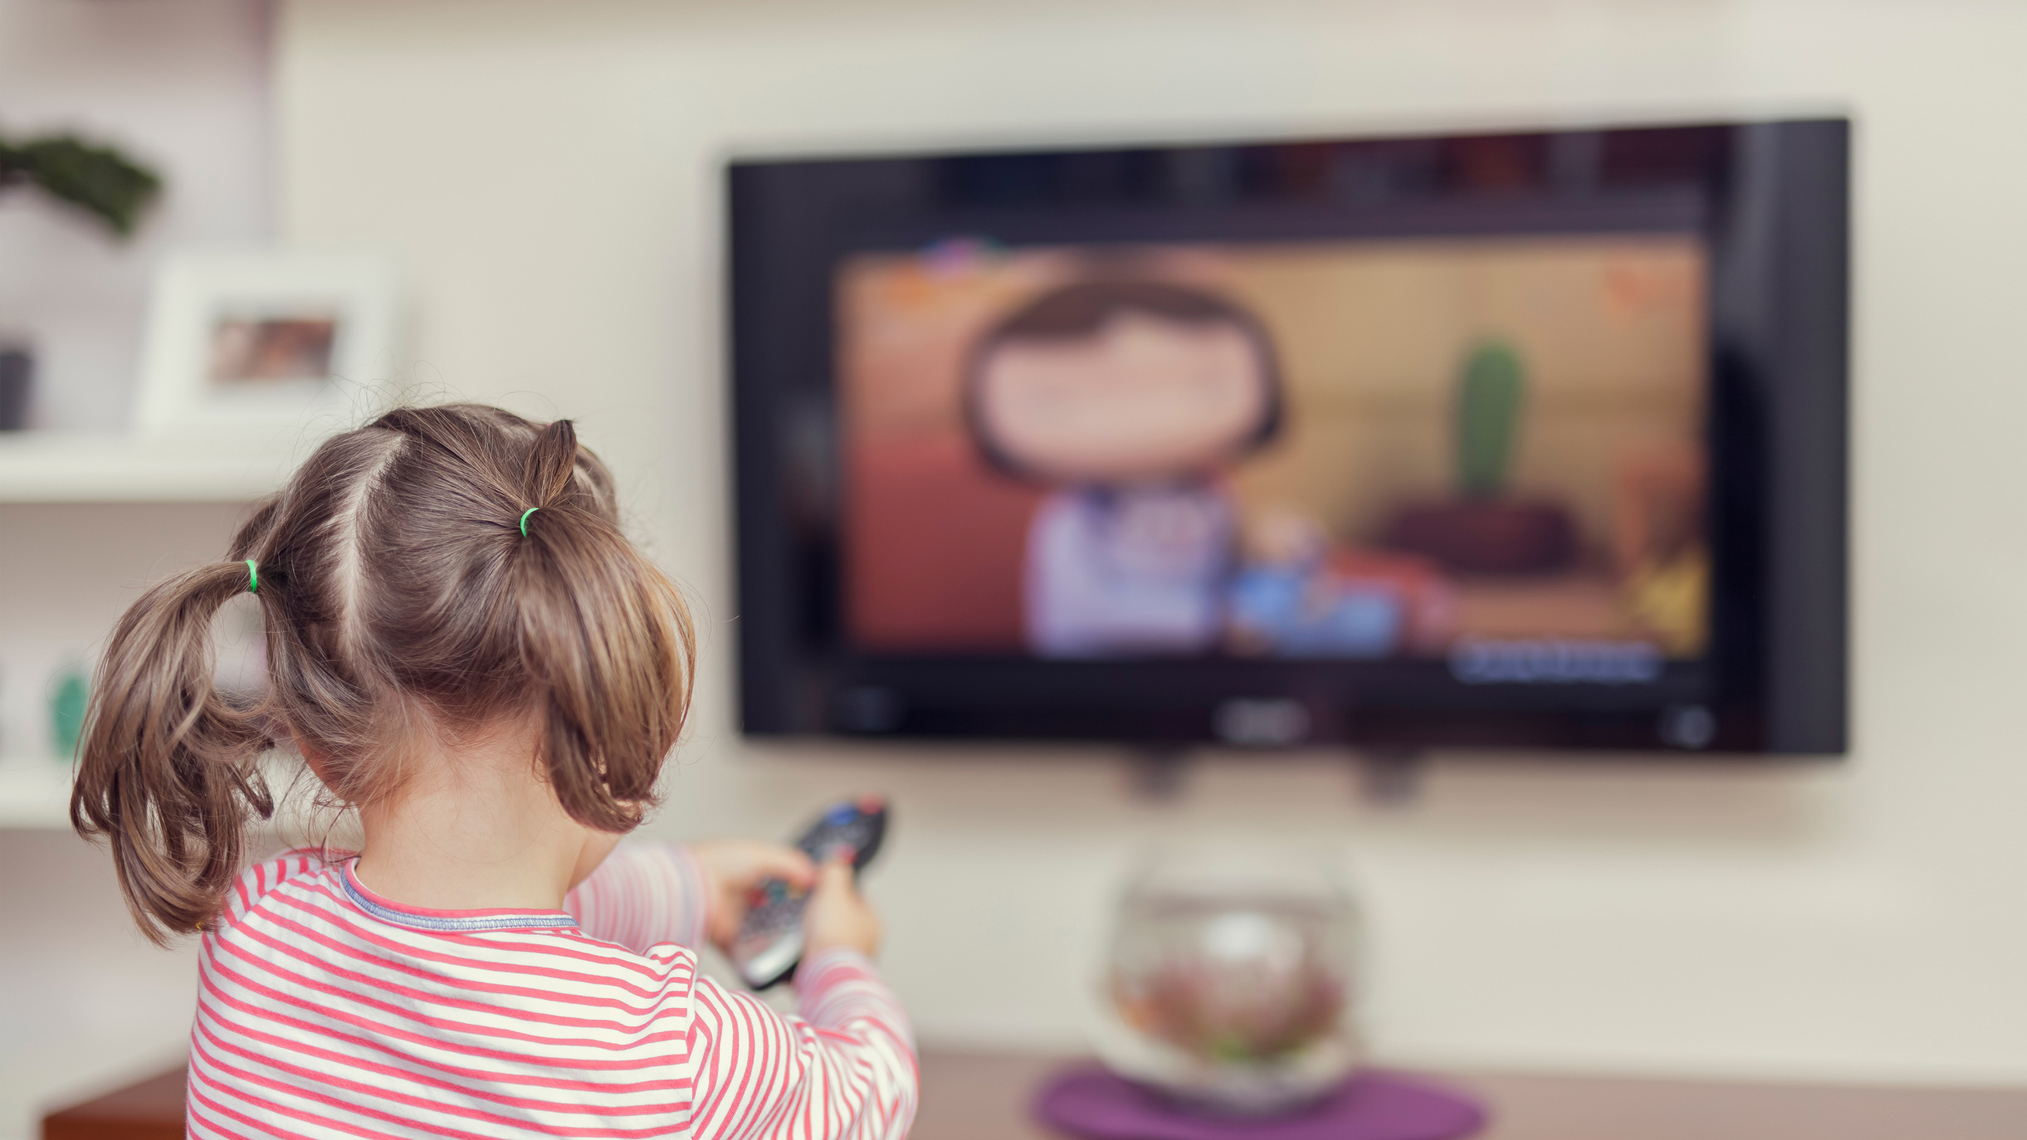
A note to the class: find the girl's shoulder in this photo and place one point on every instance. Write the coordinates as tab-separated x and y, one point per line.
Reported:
265	876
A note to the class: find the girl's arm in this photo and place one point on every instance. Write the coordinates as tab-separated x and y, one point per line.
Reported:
843	1070
643	894
646	892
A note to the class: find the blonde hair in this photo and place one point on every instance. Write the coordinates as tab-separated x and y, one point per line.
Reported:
397	589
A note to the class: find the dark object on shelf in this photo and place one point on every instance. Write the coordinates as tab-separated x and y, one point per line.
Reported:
1089	1102
146	1110
1487	536
17	378
89	176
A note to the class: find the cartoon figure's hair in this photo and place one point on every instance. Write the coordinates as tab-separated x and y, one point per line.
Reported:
400	597
1081	310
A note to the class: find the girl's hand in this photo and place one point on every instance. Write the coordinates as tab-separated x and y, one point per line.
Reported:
733	868
837	915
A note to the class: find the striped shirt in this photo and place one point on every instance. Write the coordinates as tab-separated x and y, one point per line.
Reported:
325	1010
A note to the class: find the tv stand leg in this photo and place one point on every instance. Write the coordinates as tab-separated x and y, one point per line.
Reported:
1156	773
1391	777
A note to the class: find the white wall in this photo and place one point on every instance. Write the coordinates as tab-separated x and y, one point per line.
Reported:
180	85
549	173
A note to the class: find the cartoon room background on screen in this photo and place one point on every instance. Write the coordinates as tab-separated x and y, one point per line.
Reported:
1480	440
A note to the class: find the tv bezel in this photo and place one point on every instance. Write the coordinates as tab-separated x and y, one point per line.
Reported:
1772	201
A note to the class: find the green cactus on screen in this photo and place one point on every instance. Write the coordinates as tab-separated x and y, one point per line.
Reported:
1489	396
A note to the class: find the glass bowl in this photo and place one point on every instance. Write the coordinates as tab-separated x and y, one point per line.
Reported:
1229	984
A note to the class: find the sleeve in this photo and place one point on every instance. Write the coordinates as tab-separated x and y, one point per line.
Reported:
643	894
265	876
843	1070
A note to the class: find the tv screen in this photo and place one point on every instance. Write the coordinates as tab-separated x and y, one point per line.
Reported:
1497	440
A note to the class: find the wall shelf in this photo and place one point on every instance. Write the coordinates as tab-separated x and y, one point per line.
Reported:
34	793
37	467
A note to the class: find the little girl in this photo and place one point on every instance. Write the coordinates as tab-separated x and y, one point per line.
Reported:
463	646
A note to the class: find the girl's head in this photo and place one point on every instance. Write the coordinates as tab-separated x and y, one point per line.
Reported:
404	607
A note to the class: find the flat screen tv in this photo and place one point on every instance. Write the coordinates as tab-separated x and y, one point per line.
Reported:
1493	440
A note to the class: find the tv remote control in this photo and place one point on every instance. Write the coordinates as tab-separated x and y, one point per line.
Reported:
769	943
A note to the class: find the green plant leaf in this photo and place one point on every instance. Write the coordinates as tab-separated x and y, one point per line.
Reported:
96	179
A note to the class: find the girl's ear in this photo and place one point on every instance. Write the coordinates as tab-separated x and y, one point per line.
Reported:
285	737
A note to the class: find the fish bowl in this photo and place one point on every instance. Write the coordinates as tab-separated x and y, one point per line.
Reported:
1230	982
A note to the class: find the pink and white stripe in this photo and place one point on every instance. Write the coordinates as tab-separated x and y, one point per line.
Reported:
326	1011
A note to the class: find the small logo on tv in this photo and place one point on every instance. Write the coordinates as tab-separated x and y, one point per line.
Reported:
1261	722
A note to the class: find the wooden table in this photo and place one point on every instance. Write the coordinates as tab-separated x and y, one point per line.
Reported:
984	1096
146	1110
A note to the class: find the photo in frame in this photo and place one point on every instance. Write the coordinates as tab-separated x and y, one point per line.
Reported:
241	340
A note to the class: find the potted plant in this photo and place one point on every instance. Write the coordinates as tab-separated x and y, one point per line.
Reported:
90	177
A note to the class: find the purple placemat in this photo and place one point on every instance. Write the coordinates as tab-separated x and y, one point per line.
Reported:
1089	1101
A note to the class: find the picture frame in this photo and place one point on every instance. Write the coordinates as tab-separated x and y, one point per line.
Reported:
243	340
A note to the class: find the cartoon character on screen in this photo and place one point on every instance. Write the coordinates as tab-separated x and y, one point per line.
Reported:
1131	399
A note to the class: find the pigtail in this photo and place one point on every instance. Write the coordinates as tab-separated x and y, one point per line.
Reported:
605	638
167	769
551	462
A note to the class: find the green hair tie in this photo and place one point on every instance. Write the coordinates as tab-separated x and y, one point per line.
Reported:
524	520
252	577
